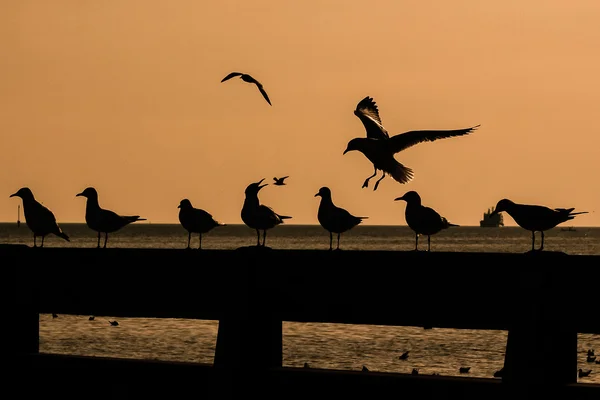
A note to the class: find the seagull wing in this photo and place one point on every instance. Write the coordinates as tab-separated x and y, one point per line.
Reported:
231	75
367	111
260	87
405	140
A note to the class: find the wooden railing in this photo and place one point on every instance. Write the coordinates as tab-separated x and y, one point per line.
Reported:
251	291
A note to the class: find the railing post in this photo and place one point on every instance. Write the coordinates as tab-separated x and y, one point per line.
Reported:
541	351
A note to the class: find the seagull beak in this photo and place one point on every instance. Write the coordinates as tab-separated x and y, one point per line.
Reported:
179	206
79	194
12	195
316	194
345	151
259	184
399	198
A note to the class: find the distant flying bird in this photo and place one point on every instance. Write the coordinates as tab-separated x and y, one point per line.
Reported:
422	220
195	220
101	220
249	79
38	218
258	216
380	148
280	181
535	218
334	219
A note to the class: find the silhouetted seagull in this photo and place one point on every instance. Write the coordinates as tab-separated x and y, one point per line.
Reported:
464	370
38	218
380	148
404	355
113	323
101	220
91	318
334	219
195	220
280	181
249	79
535	218
422	220
258	216
582	374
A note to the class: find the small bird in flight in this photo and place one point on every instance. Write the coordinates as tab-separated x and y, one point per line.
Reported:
280	181
249	79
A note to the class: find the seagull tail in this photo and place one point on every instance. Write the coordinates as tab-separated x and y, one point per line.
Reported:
400	173
63	235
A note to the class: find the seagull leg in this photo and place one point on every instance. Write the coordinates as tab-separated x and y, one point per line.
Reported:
330	241
532	240
98	240
378	180
366	184
257	237
200	241
338	244
428	242
42	241
34	241
105	238
542	246
416	241
264	236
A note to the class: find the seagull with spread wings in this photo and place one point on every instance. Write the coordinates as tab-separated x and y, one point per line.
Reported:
249	79
380	148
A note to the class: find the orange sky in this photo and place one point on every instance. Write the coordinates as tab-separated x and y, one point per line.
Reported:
126	96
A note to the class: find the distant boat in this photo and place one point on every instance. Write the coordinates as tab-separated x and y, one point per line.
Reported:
491	221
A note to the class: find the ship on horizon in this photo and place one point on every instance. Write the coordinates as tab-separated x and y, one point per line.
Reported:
491	221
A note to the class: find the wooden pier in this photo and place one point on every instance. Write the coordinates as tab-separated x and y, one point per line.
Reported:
251	291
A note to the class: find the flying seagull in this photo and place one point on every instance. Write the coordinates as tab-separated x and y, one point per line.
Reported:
39	219
333	218
422	220
195	220
380	148
535	218
259	216
101	220
280	181
249	79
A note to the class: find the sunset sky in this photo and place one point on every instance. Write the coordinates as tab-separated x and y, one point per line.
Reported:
126	96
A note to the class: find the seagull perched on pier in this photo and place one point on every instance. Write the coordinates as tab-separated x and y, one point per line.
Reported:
334	219
258	216
380	148
101	220
422	220
249	79
38	218
535	218
195	220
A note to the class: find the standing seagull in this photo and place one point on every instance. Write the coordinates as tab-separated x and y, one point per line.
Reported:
280	181
249	79
380	148
258	216
422	220
39	219
101	220
195	220
535	218
334	219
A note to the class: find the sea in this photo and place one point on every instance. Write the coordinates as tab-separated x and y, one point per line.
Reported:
328	346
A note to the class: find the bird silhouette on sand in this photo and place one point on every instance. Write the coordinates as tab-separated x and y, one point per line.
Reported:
534	217
195	220
380	148
334	219
259	216
422	220
101	220
249	79
280	181
39	219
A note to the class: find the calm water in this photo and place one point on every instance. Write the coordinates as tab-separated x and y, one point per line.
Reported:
333	346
